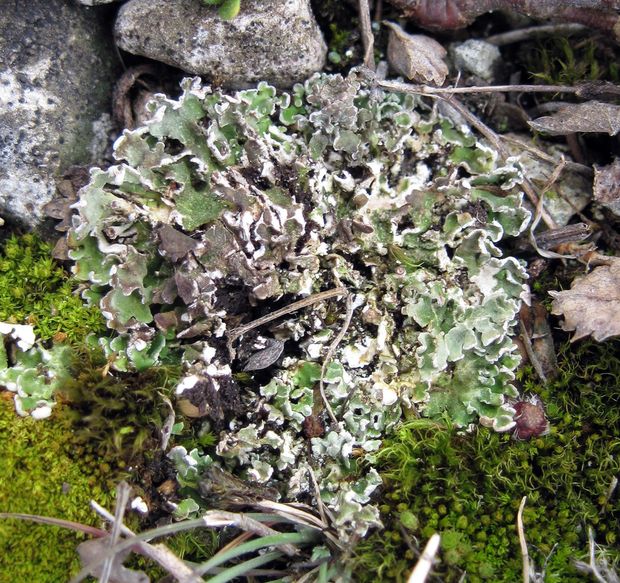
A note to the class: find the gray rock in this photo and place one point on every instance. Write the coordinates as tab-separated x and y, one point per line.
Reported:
477	57
270	40
57	65
95	2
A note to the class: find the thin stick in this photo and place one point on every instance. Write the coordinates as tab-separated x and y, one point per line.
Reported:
430	91
522	542
527	344
490	135
59	522
317	495
592	547
122	497
574	166
521	34
425	562
368	39
330	353
310	300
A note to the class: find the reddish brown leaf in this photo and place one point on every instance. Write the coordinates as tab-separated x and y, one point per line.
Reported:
445	14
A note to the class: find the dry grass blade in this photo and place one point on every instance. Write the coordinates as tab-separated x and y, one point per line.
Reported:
220	518
597	567
289	512
76	526
425	562
302	517
330	353
122	498
525	556
161	554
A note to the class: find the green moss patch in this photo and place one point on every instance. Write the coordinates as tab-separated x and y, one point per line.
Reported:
468	486
43	472
36	290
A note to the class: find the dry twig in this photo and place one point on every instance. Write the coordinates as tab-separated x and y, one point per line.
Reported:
523	34
330	353
368	39
304	303
525	556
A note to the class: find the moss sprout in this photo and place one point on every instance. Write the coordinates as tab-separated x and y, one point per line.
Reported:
121	414
566	61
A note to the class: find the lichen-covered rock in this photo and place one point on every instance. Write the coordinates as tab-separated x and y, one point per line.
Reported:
227	210
277	41
57	65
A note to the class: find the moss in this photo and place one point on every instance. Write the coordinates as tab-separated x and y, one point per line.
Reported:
36	290
468	486
121	414
568	61
43	472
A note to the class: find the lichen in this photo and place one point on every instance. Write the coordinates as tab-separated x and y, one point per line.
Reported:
225	208
33	372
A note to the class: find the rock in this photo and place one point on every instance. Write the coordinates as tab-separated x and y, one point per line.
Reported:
477	57
277	41
95	2
570	194
57	65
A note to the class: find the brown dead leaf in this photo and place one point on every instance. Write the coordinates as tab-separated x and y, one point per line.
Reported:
607	186
416	56
592	305
588	117
537	340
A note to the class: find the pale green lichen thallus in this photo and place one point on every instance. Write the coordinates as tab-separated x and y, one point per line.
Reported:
226	207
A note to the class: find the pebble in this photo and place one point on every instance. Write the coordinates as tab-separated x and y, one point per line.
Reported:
277	41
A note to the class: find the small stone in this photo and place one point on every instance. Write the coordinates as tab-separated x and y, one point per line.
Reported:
277	41
477	57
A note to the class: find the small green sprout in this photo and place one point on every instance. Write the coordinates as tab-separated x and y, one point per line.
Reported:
227	10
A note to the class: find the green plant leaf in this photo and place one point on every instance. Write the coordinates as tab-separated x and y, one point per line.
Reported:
229	9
